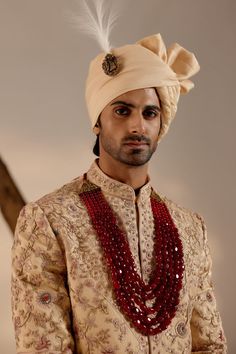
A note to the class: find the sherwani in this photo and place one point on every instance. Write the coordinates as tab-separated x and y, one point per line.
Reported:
62	297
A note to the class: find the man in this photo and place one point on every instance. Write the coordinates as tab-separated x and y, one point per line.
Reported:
105	264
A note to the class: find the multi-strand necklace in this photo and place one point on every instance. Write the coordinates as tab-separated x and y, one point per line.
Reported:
131	293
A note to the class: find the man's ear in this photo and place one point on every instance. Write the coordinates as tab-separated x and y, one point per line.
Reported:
96	128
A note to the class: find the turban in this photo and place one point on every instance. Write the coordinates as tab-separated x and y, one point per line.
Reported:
145	64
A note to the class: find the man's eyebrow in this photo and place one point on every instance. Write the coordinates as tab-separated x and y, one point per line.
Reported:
123	103
153	106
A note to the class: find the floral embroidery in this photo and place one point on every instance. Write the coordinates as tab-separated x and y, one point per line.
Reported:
181	329
45	298
43	343
209	297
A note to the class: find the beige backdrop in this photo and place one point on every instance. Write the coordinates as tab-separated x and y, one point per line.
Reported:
45	136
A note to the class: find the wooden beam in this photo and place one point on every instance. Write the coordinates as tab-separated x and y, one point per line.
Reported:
11	200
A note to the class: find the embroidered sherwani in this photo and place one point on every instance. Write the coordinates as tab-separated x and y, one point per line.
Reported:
62	297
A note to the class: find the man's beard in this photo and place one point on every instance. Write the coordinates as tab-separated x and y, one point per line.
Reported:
135	156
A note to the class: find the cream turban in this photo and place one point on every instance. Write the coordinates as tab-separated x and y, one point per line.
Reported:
145	64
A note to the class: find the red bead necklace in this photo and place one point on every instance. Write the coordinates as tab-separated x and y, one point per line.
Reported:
130	290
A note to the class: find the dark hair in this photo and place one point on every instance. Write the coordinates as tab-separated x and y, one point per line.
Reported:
96	147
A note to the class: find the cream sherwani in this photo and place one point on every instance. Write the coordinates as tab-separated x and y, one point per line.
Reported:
61	294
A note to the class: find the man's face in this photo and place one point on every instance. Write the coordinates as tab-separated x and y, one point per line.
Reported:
129	127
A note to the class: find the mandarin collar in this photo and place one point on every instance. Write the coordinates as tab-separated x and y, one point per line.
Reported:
116	188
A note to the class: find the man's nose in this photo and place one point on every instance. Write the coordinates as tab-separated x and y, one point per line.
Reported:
137	123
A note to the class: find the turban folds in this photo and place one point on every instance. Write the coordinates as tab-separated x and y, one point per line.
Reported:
145	64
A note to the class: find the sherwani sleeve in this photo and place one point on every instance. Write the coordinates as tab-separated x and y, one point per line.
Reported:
40	302
206	326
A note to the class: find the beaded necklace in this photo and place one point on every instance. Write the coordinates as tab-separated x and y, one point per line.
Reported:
131	292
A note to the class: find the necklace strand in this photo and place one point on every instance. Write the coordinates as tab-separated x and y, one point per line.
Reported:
131	292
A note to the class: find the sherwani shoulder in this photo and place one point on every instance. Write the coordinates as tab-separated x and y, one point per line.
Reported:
62	298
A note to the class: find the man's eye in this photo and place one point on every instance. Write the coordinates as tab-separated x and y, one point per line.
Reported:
150	113
122	111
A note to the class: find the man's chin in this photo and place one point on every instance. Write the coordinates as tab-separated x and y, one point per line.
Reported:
135	159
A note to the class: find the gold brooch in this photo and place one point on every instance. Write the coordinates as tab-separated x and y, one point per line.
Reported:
110	65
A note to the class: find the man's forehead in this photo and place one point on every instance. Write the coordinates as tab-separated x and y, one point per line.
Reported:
145	96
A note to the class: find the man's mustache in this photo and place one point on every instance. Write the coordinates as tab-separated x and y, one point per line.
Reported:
138	138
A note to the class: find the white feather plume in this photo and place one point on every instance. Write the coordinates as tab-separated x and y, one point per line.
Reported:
97	23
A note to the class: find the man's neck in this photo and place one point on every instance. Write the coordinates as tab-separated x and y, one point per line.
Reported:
134	176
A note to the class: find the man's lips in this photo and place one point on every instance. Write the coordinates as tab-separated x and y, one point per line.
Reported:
136	143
